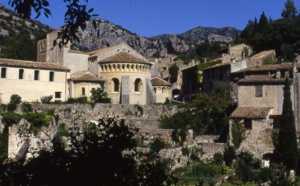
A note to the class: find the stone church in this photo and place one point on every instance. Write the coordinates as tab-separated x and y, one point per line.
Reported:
65	73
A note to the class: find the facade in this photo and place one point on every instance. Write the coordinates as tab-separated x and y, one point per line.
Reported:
260	100
32	80
64	73
162	89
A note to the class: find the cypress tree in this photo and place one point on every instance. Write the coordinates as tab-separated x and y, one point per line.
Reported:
287	147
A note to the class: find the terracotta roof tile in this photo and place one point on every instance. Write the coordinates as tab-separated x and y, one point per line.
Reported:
251	112
85	76
157	81
31	64
282	66
261	79
123	57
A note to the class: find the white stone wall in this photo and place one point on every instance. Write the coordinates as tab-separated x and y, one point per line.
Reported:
32	90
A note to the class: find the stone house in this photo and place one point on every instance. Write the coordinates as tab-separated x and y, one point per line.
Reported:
260	99
19	77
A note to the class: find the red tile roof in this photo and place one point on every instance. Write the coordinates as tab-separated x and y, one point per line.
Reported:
251	112
157	81
123	57
31	64
85	76
261	79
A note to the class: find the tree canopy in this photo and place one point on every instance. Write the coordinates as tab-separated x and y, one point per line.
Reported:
75	17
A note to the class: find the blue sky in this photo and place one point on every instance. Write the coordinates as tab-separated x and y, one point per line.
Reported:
154	17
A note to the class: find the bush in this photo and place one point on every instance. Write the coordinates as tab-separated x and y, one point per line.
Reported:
26	107
14	100
99	96
229	154
218	158
77	100
46	99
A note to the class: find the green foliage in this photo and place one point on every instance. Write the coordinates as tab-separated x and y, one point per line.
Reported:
237	131
268	61
46	99
173	71
198	170
205	114
229	154
14	100
139	110
110	141
287	146
280	35
61	131
202	66
245	166
207	49
99	96
8	119
26	107
81	100
37	120
218	158
21	46
290	10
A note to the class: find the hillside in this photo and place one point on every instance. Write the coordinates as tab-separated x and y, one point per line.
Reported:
108	34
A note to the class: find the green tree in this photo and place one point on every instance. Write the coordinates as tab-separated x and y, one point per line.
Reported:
290	10
173	72
287	146
75	16
20	46
99	96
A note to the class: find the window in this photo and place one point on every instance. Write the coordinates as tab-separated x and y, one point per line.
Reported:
83	91
116	83
3	72
21	73
36	75
138	85
51	76
248	124
57	95
258	91
154	90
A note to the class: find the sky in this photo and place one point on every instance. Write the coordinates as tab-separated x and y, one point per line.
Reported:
154	17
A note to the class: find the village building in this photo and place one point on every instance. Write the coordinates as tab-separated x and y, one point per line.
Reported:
121	71
260	100
32	80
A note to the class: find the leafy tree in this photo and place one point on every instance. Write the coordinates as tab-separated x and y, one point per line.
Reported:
20	46
290	10
287	141
173	71
99	96
75	16
103	155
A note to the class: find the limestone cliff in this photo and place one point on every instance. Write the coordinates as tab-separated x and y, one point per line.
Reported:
108	34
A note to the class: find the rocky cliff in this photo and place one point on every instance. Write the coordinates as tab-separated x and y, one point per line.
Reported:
107	34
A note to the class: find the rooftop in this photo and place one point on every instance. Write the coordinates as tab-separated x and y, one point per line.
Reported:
31	64
251	112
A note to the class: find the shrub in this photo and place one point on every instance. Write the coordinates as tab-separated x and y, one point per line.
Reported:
46	99
229	154
26	107
14	100
218	158
99	96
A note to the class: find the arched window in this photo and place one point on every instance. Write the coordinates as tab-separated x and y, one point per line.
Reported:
116	85
83	91
154	90
138	85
